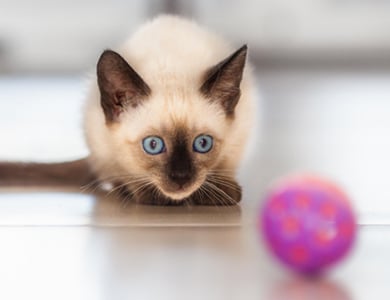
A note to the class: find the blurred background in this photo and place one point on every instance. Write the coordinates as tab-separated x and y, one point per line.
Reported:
67	36
322	66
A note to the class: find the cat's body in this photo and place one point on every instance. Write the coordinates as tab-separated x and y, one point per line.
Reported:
170	116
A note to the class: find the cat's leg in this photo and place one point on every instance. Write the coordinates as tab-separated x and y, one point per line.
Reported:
218	190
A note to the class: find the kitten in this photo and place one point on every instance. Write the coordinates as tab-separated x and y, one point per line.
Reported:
168	120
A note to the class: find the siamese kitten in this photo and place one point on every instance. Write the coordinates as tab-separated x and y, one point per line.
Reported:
168	119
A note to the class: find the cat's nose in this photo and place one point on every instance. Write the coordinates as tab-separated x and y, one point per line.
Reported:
180	177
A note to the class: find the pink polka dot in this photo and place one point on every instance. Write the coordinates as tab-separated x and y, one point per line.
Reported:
328	210
299	254
290	225
346	229
302	201
325	236
277	207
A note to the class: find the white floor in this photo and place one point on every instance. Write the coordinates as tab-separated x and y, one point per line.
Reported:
66	245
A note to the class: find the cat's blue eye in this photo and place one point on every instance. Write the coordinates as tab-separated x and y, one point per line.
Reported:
203	143
153	145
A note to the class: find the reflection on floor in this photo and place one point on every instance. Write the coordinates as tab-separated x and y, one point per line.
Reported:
67	245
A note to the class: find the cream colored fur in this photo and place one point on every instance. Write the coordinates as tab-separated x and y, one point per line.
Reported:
172	55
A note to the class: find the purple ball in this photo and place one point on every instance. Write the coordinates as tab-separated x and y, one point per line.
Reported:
308	223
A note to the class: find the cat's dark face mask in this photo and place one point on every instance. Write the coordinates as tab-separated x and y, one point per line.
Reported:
179	161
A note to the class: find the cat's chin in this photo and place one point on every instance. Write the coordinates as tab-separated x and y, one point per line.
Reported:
179	195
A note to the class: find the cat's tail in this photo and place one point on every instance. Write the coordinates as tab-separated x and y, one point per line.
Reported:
71	174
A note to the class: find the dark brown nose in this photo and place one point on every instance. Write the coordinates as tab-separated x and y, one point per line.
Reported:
180	168
181	177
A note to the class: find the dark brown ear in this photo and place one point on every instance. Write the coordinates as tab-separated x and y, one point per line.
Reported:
222	81
120	86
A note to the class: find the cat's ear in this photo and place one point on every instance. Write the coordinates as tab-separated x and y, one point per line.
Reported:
222	81
120	86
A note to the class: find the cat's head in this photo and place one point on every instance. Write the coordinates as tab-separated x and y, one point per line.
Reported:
166	135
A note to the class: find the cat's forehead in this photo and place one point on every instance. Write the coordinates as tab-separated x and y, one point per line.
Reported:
179	113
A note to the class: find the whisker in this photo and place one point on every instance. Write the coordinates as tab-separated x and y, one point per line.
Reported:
225	183
227	172
227	199
206	194
216	196
133	181
99	182
142	186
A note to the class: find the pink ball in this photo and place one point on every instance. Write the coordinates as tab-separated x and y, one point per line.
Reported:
308	223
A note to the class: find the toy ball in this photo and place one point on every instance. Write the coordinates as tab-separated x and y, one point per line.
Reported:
308	223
